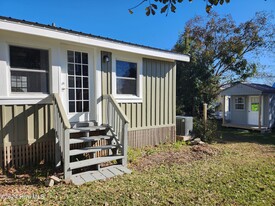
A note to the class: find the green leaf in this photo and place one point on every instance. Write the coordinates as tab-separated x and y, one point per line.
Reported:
163	9
154	6
173	8
148	11
153	11
227	1
208	8
221	2
130	11
181	1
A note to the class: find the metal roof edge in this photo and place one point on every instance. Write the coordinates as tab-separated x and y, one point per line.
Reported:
176	56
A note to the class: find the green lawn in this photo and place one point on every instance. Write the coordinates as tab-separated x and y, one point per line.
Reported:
239	170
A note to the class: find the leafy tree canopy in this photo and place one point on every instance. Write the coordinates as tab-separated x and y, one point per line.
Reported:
221	54
167	6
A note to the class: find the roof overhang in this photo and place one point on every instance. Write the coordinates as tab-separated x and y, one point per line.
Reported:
38	30
242	89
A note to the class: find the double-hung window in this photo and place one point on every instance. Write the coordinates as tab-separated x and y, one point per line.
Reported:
239	103
29	69
126	78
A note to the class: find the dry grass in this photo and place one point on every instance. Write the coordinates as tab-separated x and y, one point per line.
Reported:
240	170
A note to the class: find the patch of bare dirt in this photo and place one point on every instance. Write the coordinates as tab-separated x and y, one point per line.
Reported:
194	153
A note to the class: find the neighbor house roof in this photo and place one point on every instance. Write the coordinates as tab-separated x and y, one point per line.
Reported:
248	89
262	87
51	31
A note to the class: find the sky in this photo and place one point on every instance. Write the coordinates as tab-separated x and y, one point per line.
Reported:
110	18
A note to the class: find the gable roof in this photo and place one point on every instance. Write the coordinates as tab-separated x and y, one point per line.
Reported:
248	89
262	87
34	28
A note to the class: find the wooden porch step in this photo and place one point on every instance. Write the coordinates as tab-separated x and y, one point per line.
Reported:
103	173
89	139
94	161
87	129
83	124
91	149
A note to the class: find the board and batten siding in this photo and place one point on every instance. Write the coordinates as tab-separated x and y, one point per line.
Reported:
27	134
158	107
152	121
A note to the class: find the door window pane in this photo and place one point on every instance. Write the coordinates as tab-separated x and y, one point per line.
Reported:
71	106
78	80
71	69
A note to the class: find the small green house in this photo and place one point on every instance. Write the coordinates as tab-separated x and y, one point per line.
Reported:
66	95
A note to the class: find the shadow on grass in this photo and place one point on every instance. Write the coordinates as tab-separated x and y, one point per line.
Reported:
34	175
242	135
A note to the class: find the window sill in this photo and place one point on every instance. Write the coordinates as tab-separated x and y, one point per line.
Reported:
128	99
26	99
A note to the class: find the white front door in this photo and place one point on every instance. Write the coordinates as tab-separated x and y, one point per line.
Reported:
253	110
78	89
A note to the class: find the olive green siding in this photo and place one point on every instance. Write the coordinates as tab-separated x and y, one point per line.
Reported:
158	107
106	79
23	124
26	135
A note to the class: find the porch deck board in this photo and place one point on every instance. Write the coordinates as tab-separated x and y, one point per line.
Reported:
115	171
77	180
87	177
107	173
123	169
102	174
244	126
97	175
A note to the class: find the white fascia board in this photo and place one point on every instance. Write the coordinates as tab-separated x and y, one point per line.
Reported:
92	41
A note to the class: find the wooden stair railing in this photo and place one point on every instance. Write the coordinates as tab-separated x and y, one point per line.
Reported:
118	123
61	126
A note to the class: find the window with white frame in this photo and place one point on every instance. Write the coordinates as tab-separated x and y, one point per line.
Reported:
29	69
239	103
126	78
78	79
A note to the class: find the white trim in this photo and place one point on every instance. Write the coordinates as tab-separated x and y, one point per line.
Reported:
78	116
26	99
129	58
28	70
128	99
97	84
92	41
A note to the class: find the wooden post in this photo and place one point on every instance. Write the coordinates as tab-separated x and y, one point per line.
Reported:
66	156
125	144
205	113
260	112
223	110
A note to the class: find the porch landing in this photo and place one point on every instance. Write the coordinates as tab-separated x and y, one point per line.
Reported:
101	174
246	126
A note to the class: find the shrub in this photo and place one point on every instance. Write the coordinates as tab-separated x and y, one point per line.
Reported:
207	133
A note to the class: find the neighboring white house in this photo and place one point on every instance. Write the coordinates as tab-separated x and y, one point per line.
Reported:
252	106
